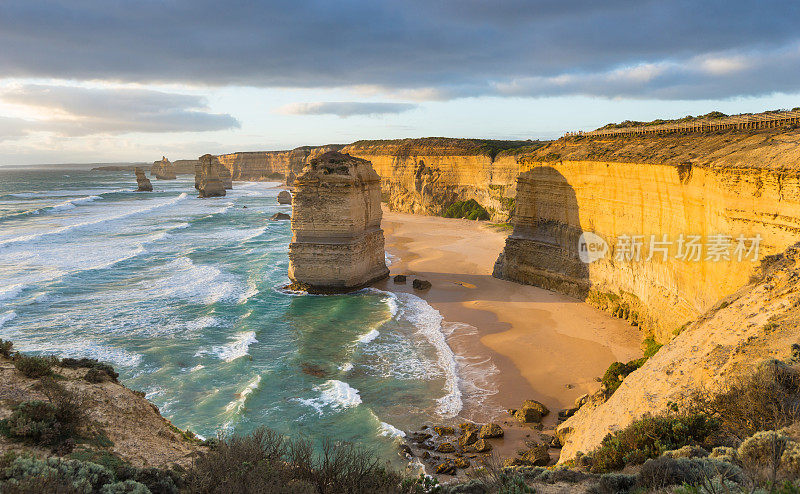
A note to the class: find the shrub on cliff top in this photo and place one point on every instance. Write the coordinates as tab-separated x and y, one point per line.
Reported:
96	368
6	347
34	367
470	210
649	437
28	475
766	399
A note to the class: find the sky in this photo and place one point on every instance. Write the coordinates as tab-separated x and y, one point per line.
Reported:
131	80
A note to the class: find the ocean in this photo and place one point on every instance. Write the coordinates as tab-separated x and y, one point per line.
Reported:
184	297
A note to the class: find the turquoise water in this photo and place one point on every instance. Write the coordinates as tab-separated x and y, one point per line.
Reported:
183	296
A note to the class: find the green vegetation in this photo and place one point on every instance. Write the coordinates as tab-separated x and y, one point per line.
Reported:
470	210
659	121
618	371
651	346
650	437
34	367
6	347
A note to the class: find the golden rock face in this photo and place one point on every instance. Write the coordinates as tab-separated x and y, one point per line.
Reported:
337	243
558	200
208	181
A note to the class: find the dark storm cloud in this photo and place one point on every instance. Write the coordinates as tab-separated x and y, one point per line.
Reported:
83	111
429	49
346	108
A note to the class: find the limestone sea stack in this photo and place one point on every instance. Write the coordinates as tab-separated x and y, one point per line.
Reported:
284	197
210	184
163	170
224	174
337	242
142	181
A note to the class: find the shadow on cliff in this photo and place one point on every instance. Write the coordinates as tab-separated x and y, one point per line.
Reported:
543	249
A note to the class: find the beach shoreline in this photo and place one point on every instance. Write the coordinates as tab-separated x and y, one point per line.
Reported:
544	346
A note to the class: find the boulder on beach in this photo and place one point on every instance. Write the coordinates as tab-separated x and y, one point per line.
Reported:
400	278
531	411
537	456
280	217
142	181
421	284
490	431
284	197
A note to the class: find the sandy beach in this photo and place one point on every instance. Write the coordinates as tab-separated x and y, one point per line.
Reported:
544	345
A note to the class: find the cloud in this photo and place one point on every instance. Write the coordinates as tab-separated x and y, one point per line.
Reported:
346	108
78	111
437	50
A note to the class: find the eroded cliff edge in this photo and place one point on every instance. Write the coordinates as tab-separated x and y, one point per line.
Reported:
728	183
425	176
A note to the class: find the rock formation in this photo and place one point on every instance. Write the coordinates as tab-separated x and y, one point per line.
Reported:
209	183
163	170
224	174
640	189
184	167
337	242
284	197
272	165
756	323
280	217
142	181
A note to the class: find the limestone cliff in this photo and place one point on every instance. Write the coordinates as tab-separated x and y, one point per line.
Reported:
425	176
142	182
163	169
271	165
184	167
337	242
757	322
729	183
208	181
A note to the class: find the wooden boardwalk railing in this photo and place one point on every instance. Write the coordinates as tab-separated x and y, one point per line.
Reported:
756	121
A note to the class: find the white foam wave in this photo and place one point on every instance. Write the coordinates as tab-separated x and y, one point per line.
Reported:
197	367
71	204
428	322
367	337
346	367
236	405
334	394
98	220
12	291
7	316
237	348
195	282
78	348
389	258
202	323
388	430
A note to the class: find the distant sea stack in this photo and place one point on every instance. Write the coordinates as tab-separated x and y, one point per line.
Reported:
142	181
337	242
163	170
208	182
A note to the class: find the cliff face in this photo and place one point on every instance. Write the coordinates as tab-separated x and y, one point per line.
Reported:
756	323
184	167
271	165
425	176
733	184
337	242
163	169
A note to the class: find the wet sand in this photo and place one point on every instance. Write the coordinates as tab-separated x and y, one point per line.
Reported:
544	346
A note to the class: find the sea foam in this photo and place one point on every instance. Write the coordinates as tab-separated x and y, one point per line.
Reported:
334	394
237	348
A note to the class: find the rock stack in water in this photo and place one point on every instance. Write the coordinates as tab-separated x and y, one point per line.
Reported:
163	170
142	181
224	174
209	183
284	197
337	241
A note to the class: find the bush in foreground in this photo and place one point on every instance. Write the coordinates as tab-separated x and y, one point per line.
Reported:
650	437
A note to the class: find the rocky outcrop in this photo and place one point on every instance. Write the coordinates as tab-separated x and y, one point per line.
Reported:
208	182
635	191
337	242
757	322
224	175
163	169
425	176
184	167
272	165
284	197
142	181
280	217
